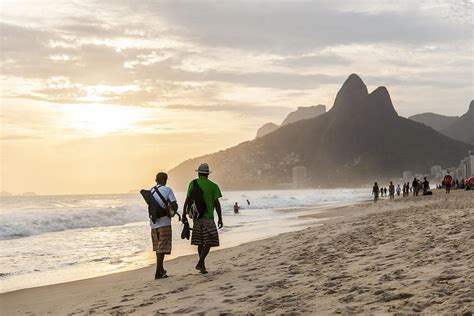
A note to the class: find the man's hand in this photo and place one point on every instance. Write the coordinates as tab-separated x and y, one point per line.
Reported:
220	224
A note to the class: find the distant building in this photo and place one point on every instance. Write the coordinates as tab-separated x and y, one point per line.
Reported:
436	172
299	177
467	166
407	175
452	170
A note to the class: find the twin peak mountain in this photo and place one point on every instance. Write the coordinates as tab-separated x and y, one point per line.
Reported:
361	139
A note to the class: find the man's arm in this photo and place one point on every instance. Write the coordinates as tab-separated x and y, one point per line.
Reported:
217	205
185	207
174	206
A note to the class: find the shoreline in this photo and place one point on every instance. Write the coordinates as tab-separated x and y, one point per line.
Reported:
313	269
298	221
314	211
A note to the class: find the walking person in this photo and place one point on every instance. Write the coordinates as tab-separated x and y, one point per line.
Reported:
391	191
399	190
161	229
414	186
426	186
205	233
375	192
447	182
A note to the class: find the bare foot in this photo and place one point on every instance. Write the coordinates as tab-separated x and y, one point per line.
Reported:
201	268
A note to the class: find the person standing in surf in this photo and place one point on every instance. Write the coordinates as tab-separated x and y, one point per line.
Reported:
391	190
375	192
205	233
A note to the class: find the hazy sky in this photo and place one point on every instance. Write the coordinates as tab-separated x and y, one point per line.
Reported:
96	96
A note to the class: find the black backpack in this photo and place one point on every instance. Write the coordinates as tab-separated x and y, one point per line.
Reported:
155	211
197	205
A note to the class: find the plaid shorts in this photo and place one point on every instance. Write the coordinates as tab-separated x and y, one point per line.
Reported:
161	238
205	233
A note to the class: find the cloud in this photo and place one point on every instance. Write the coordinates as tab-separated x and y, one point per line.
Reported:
18	137
297	26
238	108
314	60
176	51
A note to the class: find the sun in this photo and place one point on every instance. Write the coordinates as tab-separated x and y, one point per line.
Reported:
101	119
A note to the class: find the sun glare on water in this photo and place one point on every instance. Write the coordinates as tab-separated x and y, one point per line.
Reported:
101	119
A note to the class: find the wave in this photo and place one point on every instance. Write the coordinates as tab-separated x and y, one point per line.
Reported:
26	224
25	217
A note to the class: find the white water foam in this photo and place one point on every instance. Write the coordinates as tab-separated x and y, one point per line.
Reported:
51	239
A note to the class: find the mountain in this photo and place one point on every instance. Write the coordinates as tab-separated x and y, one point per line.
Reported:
266	129
28	194
435	121
361	139
304	113
463	128
301	113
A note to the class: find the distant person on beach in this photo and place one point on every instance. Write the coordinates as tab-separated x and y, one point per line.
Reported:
161	229
426	186
385	191
236	208
391	191
447	182
414	186
248	202
399	190
375	192
205	233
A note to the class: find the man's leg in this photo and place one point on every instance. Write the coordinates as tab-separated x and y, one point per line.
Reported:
159	264
202	257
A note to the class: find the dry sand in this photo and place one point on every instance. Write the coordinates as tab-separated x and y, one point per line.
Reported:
408	256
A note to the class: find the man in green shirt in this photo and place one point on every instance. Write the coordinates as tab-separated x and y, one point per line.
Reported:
205	233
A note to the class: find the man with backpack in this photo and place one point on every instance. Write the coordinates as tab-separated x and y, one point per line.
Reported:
202	197
161	225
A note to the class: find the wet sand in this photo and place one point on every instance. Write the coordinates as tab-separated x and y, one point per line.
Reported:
408	256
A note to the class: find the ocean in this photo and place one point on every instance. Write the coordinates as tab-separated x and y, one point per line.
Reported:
53	239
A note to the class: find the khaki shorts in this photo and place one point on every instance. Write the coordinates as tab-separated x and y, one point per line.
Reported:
161	238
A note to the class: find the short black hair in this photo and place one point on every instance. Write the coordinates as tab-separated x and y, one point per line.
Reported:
206	175
161	176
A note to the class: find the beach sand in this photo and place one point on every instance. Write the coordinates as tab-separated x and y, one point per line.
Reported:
408	256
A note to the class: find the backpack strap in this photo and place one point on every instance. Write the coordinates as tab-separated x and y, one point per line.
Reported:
195	184
160	195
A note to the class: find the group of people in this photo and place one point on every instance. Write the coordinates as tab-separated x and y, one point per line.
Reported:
237	207
455	185
204	230
376	191
416	187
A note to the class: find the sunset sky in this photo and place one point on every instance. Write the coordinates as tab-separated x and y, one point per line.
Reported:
97	96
